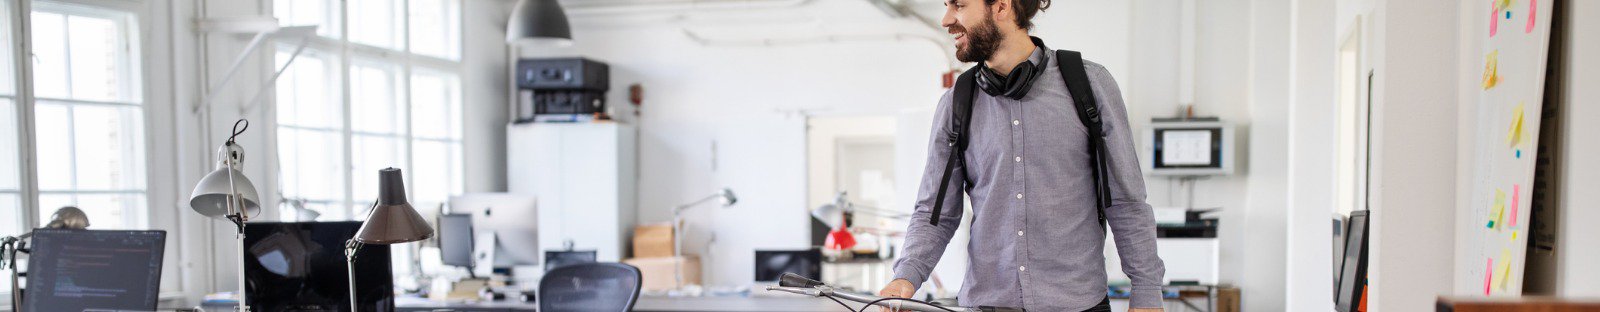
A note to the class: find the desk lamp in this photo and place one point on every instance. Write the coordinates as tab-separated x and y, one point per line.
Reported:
724	197
68	217
226	193
390	221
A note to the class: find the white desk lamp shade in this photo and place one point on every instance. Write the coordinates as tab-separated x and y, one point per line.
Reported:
829	214
210	197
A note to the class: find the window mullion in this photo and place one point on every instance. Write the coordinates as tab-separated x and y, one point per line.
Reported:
344	94
22	31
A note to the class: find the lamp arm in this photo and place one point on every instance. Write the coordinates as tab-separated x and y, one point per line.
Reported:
681	208
350	248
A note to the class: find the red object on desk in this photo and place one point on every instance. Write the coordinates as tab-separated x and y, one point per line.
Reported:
840	239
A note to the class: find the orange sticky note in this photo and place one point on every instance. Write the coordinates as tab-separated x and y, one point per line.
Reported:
1491	70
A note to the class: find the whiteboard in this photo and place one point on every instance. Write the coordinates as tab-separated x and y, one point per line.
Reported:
1513	50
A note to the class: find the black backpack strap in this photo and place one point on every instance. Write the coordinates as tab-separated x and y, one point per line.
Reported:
1071	64
960	119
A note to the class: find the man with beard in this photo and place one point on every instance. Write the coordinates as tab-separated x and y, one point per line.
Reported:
1037	241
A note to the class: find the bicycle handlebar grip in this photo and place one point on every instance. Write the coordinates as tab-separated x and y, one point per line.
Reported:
795	280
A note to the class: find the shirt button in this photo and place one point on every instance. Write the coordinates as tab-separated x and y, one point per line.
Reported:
1022	268
1016	122
1019	158
1019	233
1019	195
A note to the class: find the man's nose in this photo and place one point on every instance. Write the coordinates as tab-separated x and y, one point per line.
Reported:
949	20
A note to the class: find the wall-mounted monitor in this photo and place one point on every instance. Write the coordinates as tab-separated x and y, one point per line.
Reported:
1189	148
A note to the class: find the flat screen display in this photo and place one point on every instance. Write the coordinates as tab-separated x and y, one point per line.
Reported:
300	266
91	270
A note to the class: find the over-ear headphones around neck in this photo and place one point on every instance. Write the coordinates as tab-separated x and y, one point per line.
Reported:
1014	85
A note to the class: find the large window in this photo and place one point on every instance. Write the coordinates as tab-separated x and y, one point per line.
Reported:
375	89
84	117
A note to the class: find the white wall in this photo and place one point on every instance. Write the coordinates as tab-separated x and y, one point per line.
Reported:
1313	133
1414	189
1577	249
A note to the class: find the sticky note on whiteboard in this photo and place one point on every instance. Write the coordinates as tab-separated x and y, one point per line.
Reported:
1514	135
1488	276
1497	211
1491	70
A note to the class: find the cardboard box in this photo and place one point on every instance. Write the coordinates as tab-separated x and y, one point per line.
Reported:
1228	299
658	272
652	240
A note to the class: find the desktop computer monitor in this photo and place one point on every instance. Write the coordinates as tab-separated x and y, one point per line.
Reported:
1353	276
510	220
77	270
455	239
300	266
773	263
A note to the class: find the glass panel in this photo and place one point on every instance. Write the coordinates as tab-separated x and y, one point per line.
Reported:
53	146
95	50
10	176
373	153
307	93
378	23
109	149
434	102
374	100
311	161
322	13
431	169
435	28
106	211
11	207
50	55
7	80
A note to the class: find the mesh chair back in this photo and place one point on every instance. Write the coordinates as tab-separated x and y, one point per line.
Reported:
589	287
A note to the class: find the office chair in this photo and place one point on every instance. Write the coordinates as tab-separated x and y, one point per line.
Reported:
589	287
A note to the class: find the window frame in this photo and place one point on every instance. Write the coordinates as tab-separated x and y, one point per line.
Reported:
154	110
349	54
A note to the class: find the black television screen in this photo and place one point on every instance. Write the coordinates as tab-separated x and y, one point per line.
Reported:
300	266
770	264
1353	277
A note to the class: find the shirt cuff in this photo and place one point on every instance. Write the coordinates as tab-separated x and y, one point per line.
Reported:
1145	297
910	275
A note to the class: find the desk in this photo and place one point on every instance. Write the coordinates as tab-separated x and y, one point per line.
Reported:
645	304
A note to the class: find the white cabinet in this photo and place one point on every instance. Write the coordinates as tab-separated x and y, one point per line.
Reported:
584	176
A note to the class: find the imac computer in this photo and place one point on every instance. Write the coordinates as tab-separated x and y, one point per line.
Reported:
504	227
87	270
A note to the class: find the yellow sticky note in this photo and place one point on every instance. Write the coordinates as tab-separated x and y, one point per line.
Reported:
1513	235
1497	212
1514	135
1502	4
1491	70
1505	269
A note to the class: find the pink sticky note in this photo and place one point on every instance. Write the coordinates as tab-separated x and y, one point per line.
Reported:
1494	18
1516	196
1533	14
1488	275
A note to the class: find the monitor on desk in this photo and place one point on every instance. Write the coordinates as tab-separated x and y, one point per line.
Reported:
77	270
508	221
300	266
455	239
1353	276
773	263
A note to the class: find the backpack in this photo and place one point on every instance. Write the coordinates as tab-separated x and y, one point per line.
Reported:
1071	65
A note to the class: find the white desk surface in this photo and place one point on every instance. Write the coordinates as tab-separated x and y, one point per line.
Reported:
668	304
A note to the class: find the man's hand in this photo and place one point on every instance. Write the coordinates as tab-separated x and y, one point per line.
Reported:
1144	310
899	288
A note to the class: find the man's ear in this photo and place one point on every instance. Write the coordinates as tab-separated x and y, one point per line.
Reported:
1004	13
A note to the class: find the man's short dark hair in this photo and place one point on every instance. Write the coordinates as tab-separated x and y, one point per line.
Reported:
1025	9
